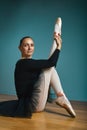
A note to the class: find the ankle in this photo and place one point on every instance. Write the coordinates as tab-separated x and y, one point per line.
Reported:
60	94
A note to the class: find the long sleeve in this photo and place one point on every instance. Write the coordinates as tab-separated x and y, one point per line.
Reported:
29	64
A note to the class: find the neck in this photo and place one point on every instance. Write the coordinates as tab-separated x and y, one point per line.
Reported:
26	57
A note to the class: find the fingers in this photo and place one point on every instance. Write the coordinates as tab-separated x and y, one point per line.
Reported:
57	37
58	40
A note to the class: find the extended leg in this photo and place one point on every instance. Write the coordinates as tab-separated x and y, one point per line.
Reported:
51	76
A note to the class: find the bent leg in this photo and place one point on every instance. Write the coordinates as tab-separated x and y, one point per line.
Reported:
61	100
44	87
55	82
47	77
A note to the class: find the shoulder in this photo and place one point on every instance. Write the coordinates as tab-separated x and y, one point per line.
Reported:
24	61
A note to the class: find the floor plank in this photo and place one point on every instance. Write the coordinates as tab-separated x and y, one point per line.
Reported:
52	118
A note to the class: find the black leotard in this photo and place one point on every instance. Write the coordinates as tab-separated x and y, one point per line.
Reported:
27	72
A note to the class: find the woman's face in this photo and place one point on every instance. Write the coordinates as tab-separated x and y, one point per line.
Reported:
27	48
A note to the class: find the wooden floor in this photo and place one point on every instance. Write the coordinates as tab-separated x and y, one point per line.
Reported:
53	118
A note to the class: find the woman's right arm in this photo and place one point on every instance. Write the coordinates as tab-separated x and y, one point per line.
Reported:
32	64
29	64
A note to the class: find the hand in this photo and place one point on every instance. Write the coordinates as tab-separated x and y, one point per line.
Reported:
58	40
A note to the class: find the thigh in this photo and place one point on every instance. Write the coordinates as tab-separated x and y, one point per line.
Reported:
44	87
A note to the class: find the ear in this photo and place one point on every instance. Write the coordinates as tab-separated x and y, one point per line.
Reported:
19	47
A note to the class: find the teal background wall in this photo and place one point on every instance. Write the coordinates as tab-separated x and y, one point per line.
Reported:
36	18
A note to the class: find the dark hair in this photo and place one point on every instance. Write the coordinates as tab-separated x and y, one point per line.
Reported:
23	39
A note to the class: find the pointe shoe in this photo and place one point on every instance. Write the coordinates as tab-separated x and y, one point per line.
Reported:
64	102
58	26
